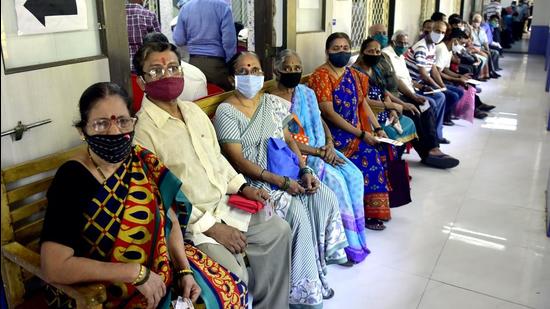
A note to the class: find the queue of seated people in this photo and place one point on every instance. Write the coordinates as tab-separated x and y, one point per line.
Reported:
248	208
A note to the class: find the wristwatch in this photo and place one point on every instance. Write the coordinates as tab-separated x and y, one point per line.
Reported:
244	185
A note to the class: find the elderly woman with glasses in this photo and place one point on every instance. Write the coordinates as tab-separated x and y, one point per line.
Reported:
115	214
315	140
247	124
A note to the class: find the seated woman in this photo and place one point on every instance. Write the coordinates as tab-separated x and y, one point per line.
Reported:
330	165
116	215
341	95
390	115
245	124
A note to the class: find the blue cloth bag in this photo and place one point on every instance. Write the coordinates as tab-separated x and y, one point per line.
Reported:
281	160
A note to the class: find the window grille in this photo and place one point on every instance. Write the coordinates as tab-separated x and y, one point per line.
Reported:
358	23
364	14
379	12
240	13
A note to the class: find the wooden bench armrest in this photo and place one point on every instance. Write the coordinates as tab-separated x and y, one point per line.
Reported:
86	295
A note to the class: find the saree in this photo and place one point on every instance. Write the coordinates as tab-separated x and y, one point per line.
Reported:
347	96
318	237
376	92
344	180
127	222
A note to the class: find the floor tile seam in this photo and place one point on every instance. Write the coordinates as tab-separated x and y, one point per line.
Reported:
423	293
484	294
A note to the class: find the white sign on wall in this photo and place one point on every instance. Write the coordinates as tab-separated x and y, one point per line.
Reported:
45	16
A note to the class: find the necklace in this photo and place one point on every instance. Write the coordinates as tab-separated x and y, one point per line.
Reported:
334	70
97	166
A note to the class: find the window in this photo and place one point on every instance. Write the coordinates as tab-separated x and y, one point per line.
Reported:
427	8
33	39
310	15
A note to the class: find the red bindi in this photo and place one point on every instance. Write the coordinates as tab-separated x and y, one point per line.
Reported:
113	117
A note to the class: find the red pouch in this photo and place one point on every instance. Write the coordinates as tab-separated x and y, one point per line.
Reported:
242	203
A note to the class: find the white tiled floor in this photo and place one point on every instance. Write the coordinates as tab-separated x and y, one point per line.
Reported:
474	236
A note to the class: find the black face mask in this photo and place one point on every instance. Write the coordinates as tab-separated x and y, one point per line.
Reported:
290	80
340	59
111	148
371	60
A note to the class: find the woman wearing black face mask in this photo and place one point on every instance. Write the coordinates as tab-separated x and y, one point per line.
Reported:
341	95
94	227
315	140
387	107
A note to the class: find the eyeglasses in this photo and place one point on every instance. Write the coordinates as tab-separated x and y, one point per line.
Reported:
158	72
253	71
402	44
125	124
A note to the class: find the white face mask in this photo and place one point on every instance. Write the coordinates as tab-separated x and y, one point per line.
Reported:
249	85
436	37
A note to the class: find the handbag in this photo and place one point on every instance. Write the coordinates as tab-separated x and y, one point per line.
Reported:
242	203
281	160
398	177
300	136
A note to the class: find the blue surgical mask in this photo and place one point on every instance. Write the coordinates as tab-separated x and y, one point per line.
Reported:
382	39
249	85
340	59
400	50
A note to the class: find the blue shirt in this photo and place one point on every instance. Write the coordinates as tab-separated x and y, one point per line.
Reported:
489	31
206	27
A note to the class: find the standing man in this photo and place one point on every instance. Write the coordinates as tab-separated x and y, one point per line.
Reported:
206	27
493	8
140	21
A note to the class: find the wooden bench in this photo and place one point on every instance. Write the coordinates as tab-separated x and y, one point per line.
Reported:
23	206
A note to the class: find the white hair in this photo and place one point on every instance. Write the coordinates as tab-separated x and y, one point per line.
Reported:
281	57
397	34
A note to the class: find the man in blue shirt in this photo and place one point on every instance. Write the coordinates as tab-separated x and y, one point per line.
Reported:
206	27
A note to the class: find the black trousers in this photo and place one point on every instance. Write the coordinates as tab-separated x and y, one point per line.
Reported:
425	129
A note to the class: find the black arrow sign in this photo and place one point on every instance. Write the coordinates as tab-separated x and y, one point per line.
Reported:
42	8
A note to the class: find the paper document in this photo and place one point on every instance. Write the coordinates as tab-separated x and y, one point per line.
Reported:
182	303
389	141
436	91
473	82
424	107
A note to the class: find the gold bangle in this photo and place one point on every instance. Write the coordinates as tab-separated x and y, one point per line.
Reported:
182	272
140	275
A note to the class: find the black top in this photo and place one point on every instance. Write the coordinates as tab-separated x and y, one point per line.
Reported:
71	190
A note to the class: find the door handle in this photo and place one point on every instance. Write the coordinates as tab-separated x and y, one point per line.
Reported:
20	128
